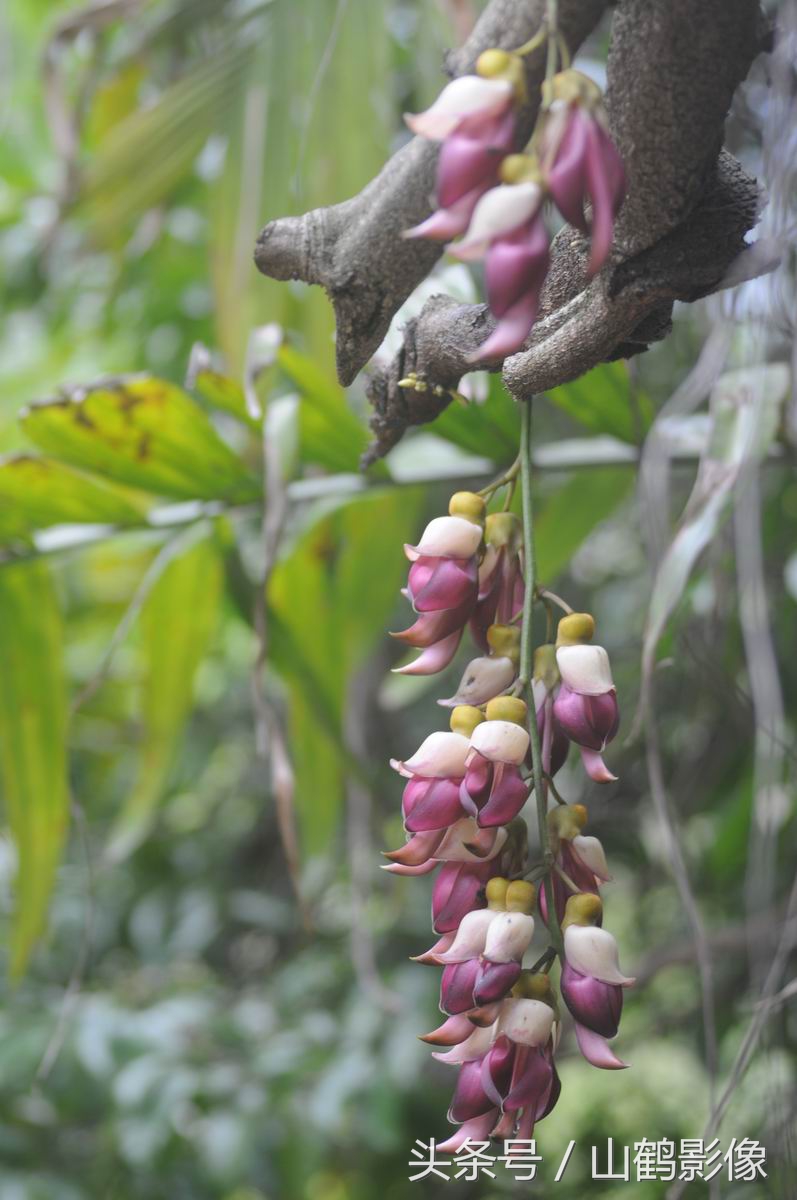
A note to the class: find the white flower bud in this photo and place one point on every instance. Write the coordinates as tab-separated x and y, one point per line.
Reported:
585	669
501	741
528	1022
464	97
472	931
441	755
482	679
593	951
447	537
590	851
499	211
508	937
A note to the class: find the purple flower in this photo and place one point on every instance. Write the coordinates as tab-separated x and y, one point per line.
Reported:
592	981
582	164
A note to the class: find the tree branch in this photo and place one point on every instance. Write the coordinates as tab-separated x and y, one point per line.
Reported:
355	250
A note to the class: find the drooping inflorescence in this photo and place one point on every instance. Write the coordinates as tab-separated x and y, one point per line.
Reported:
465	792
494	199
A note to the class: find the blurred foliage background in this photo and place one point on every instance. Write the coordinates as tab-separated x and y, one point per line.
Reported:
174	1023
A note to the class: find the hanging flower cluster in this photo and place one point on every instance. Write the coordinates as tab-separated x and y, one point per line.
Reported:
494	200
463	798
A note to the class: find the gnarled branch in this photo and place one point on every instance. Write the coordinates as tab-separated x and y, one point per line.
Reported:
673	68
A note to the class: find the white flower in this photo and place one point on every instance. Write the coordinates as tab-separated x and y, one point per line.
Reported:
591	950
441	755
499	211
482	679
508	937
468	96
585	669
447	537
501	741
591	853
528	1022
471	934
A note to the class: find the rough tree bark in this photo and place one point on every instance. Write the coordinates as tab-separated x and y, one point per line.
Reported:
672	70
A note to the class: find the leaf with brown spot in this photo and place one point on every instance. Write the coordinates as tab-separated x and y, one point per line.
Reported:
144	432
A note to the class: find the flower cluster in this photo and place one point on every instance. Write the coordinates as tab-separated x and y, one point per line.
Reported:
494	199
465	790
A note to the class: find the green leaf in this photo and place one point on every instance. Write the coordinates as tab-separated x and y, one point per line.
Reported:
491	430
329	601
36	493
33	760
144	432
568	517
746	410
604	401
178	621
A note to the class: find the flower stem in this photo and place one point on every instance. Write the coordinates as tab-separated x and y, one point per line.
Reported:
527	667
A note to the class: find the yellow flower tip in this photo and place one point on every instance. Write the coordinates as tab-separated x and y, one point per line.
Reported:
492	64
503	529
507	708
495	890
468	505
465	718
545	666
504	640
521	896
535	986
566	821
520	168
583	909
574	87
575	628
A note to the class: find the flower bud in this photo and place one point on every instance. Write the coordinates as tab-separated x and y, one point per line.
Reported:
503	529
566	821
583	909
520	896
468	505
545	667
507	709
495	890
574	629
465	718
504	640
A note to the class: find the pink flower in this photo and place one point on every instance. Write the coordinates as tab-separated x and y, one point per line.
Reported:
592	981
582	164
443	583
468	98
493	789
580	857
586	704
487	677
500	576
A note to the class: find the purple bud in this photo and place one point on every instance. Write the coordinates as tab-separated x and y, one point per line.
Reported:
456	986
470	1099
457	891
437	583
434	805
494	981
594	1004
496	1073
516	265
508	794
531	1081
589	721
